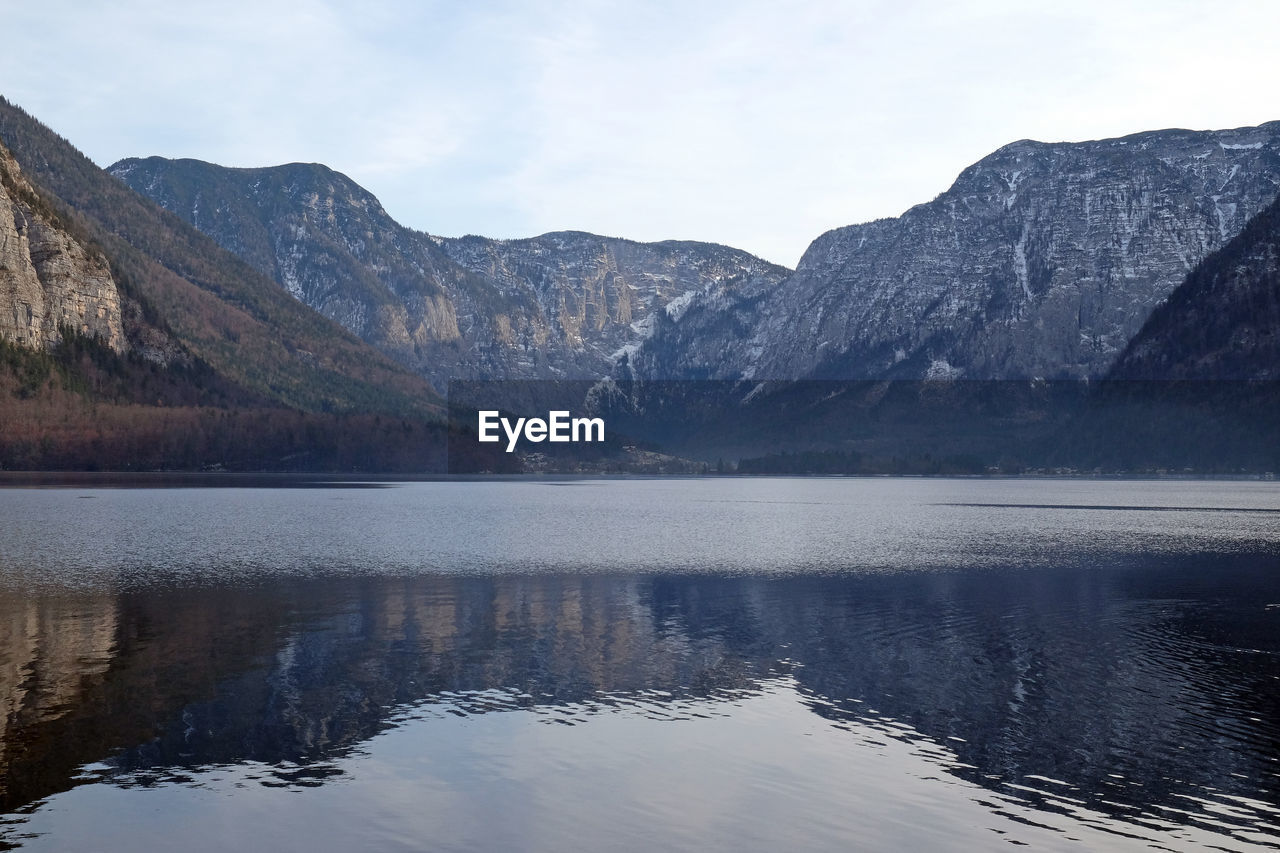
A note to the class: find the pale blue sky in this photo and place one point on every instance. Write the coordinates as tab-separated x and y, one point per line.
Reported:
754	123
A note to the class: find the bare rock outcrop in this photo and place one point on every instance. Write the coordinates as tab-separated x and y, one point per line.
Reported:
49	279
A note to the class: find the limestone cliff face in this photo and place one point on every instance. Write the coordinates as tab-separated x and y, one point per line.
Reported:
1041	260
48	278
559	305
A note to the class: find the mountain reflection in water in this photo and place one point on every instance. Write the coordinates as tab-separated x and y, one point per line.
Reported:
1138	698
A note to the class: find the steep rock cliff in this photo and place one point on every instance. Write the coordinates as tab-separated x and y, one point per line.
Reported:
49	279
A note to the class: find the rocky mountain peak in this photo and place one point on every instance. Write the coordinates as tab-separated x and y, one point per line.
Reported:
1041	260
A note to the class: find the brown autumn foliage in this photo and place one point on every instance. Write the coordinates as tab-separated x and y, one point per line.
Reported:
57	429
83	407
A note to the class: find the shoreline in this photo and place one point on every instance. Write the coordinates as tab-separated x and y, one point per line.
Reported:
359	480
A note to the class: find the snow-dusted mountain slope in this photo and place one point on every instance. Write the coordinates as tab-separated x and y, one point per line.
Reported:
1041	260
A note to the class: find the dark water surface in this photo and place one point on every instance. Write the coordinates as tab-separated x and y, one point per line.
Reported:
779	664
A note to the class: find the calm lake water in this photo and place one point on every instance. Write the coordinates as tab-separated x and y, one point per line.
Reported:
716	664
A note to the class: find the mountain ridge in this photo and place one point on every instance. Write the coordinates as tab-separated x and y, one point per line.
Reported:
158	350
215	304
557	305
306	324
1041	260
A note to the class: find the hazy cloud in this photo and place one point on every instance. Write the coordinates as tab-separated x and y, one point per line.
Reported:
757	124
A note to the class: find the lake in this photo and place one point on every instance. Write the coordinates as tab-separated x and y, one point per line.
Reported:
696	664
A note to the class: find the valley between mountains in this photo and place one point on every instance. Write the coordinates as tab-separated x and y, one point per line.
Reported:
180	314
1042	260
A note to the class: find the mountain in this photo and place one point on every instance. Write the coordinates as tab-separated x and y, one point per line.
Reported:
601	297
332	247
1041	260
1223	322
128	340
555	306
193	300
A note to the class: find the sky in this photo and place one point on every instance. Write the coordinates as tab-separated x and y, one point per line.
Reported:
754	123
